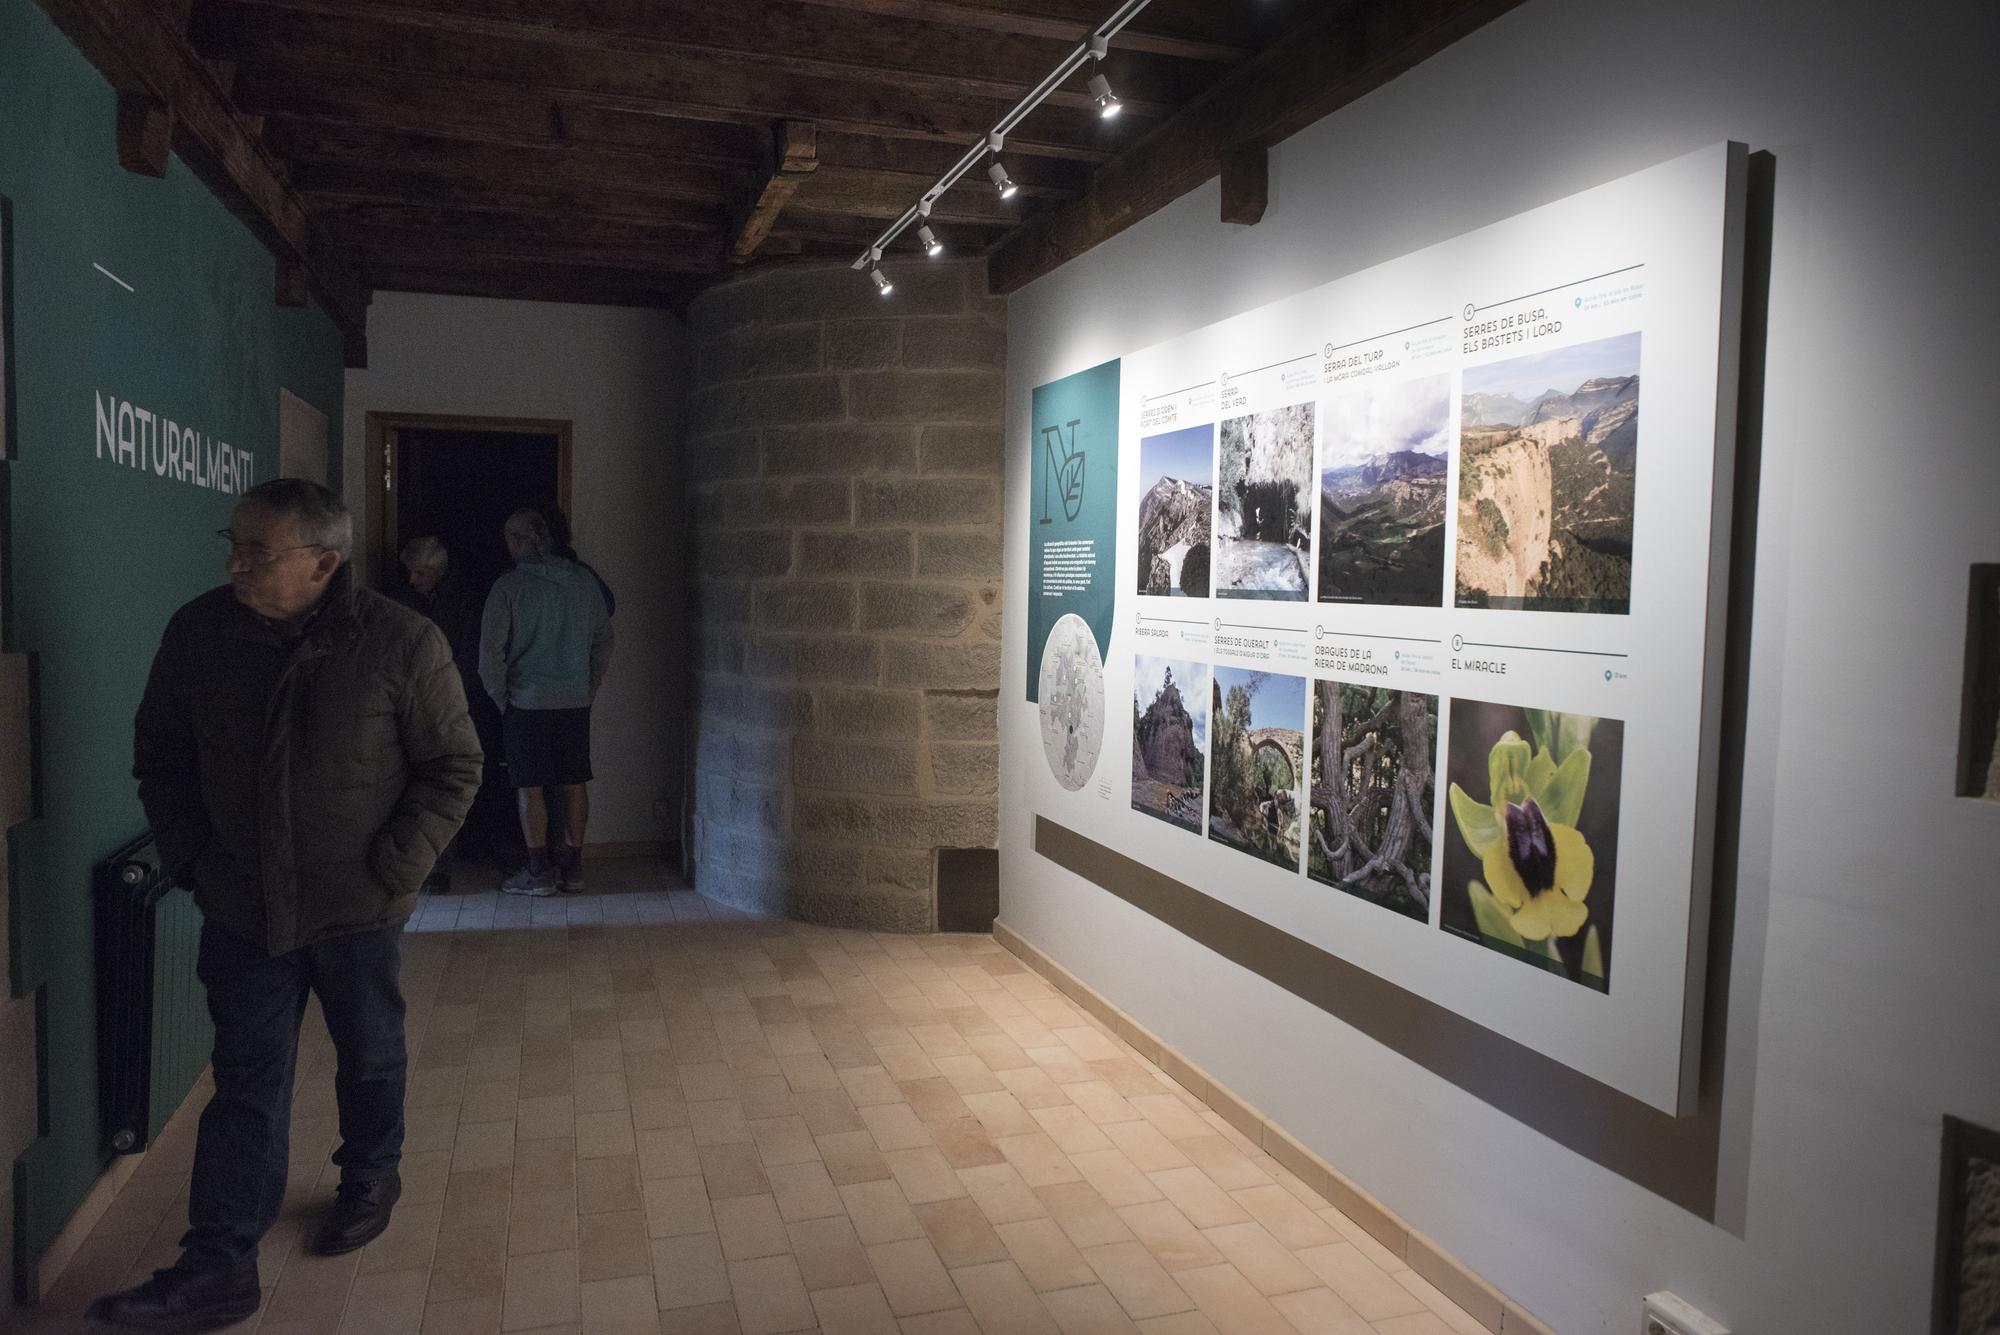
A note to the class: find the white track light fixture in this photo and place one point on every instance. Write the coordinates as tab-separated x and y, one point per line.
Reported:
925	236
997	173
1108	104
1091	53
1107	101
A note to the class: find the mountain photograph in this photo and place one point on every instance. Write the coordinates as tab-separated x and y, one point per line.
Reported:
1169	739
1548	461
1264	510
1383	462
1177	492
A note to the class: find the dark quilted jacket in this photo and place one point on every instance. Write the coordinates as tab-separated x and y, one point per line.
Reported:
303	788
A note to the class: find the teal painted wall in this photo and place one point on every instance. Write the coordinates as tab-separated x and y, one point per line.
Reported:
100	552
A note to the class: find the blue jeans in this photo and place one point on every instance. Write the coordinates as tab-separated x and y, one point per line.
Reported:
257	1003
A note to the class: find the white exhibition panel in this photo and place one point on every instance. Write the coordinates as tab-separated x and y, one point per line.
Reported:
1657	254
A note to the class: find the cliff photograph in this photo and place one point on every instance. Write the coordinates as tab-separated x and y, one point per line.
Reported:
1547	467
1264	505
1373	788
1384	455
1169	739
1177	492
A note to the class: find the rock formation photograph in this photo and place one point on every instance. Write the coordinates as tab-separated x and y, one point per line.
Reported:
1256	759
1169	739
1547	466
1373	788
1264	505
1177	492
1384	454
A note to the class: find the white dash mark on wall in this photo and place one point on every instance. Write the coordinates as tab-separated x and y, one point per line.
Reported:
113	277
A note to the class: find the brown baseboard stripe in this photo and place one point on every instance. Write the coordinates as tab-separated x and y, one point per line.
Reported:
1484	1303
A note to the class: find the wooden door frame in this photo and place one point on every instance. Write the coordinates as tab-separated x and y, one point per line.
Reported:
378	475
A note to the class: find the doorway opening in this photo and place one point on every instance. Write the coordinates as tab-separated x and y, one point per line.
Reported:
457	479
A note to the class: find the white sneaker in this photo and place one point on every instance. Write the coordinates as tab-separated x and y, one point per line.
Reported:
539	885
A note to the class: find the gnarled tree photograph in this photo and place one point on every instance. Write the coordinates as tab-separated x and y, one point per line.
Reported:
1373	790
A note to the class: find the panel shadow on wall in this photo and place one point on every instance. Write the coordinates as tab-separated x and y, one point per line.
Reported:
1979	726
1678	1159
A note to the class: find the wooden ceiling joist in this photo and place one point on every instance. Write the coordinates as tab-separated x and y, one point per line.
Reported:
791	39
1347	50
141	51
1063	22
681	84
794	157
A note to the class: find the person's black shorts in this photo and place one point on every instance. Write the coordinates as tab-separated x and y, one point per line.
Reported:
547	746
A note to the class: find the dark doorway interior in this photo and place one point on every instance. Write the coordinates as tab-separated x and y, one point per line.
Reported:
459	486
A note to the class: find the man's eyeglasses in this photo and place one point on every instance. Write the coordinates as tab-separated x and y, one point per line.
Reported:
256	553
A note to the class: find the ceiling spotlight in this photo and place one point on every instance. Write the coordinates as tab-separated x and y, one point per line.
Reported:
882	283
932	246
1108	104
1001	181
1107	101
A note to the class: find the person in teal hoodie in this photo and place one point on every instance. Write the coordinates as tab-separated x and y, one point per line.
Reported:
544	646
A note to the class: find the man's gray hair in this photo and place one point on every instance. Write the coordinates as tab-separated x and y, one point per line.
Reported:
531	524
322	516
425	551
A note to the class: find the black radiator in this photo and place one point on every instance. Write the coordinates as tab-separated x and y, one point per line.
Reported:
153	1031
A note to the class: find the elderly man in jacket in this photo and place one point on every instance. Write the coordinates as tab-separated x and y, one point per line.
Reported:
303	753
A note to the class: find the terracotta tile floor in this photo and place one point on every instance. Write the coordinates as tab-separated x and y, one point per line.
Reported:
631	1110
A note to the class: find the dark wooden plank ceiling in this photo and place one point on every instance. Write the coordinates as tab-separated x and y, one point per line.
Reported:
635	151
612	150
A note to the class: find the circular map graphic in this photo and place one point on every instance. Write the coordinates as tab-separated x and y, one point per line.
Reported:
1072	702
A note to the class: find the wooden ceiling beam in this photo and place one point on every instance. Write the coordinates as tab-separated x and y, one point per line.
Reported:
860	193
513	227
794	158
708	87
293	101
405	250
1345	51
779	39
342	188
509	282
141	51
1069	23
849	234
335	94
309	148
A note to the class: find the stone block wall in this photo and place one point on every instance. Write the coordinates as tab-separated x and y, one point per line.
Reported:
844	475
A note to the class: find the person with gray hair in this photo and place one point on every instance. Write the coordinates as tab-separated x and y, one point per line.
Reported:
544	647
303	752
436	591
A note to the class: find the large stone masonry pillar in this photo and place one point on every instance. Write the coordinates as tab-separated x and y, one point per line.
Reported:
844	461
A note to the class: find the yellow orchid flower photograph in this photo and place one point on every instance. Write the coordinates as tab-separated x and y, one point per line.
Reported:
1530	864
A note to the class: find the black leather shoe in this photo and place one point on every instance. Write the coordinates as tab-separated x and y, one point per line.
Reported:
181	1300
360	1212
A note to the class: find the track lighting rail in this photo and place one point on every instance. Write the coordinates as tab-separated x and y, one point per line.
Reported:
1093	49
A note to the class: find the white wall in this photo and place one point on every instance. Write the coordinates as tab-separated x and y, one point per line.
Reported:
619	375
1863	989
